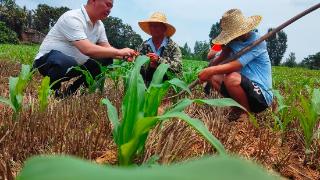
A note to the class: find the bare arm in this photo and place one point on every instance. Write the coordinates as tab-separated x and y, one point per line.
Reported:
227	68
102	50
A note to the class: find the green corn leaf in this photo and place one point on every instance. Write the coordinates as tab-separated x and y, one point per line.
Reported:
159	74
207	168
200	127
87	74
113	117
181	105
43	93
25	72
144	125
316	101
153	98
24	78
222	102
13	81
178	83
132	106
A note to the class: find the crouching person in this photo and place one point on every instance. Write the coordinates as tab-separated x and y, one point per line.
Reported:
160	48
247	80
77	39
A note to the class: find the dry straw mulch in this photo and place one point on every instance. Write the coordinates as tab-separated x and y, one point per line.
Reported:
78	126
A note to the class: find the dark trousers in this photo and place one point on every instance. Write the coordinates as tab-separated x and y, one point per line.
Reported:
58	67
147	74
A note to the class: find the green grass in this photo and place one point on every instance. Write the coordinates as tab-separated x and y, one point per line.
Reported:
296	77
24	54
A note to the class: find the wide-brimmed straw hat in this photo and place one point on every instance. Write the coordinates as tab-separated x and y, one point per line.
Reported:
157	17
233	24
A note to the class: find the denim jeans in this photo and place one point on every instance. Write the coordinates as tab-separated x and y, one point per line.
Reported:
58	67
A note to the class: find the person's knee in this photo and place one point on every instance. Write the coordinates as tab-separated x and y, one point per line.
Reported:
59	64
232	79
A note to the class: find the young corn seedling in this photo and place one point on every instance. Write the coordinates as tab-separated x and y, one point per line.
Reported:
17	86
44	93
94	83
140	108
119	69
309	116
283	115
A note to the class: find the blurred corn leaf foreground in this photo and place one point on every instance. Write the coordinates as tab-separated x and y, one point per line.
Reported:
208	168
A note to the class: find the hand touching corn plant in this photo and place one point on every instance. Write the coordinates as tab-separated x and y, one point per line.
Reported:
140	107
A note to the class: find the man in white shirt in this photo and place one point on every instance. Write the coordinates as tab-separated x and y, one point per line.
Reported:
77	37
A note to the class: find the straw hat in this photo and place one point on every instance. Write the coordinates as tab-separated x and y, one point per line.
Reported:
157	17
233	24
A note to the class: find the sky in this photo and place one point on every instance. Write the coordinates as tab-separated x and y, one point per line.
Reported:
194	18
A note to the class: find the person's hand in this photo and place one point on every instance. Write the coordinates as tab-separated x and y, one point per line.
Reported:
129	54
126	52
205	74
153	57
211	54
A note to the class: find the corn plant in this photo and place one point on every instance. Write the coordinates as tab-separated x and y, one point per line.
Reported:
309	116
140	107
283	115
44	93
119	69
207	168
17	86
94	83
191	74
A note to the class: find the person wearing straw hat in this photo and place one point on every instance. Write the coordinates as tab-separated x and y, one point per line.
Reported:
160	48
247	80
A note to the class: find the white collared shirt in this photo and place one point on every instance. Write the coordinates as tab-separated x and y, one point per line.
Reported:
72	26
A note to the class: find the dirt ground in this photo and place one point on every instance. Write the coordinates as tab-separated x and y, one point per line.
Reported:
78	126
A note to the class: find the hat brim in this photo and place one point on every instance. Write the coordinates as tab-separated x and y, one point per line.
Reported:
230	34
144	25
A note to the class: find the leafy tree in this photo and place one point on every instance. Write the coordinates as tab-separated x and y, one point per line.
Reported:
291	60
14	16
45	16
277	46
186	51
7	36
215	31
201	49
312	61
121	35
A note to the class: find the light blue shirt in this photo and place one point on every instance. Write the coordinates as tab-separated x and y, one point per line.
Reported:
153	47
256	64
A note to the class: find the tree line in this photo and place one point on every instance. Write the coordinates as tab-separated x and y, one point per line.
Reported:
15	19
